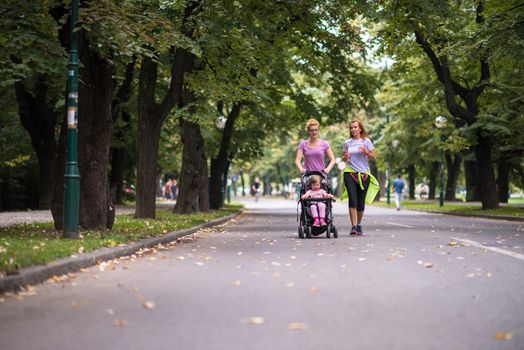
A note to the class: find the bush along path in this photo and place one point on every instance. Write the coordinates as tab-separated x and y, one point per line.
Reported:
33	253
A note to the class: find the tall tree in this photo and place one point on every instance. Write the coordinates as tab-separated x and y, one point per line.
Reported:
437	28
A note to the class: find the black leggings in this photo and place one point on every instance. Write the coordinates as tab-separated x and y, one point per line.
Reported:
357	196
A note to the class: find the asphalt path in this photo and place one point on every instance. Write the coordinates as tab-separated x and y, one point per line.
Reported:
413	281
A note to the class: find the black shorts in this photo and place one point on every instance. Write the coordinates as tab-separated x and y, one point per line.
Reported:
357	196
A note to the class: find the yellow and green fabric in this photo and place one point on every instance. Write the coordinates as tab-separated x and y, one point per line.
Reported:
374	186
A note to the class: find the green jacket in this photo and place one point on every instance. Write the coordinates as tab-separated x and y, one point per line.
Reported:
374	186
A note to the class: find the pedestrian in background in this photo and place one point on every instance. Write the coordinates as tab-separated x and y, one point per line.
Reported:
167	190
398	186
255	189
174	189
357	152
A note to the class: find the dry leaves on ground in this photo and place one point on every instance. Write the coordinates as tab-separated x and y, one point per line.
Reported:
503	336
298	326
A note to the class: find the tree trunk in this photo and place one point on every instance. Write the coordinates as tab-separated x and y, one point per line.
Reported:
193	175
486	174
117	174
242	183
147	145
411	179
219	164
433	174
452	174
95	128
503	169
120	112
470	172
39	119
57	204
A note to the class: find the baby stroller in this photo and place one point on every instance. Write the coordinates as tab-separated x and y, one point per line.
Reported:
306	228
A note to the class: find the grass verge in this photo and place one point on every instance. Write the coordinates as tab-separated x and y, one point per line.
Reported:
34	244
458	208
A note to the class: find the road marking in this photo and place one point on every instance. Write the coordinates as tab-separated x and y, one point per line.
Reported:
394	224
494	249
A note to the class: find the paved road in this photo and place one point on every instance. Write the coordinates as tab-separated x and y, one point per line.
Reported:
414	281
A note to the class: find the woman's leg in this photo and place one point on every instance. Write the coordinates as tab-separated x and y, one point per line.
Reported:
351	188
353	216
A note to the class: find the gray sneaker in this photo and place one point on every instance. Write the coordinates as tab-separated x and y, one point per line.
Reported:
359	230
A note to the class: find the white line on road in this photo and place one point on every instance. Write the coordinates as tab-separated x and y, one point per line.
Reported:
395	224
494	249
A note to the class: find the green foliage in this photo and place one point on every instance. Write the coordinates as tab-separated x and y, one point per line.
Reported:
28	41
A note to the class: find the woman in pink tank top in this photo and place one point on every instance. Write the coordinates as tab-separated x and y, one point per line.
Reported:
314	151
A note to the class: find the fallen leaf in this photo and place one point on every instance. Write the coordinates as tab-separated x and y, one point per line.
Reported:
119	323
256	320
297	326
503	336
149	305
428	265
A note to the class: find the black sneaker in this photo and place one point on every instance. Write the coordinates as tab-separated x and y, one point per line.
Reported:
359	230
353	231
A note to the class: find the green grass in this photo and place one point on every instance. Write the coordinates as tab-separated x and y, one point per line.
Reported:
458	208
33	244
519	200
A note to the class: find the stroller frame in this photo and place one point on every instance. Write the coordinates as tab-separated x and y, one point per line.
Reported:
306	228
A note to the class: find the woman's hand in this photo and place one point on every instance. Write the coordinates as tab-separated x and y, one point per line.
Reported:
346	156
365	151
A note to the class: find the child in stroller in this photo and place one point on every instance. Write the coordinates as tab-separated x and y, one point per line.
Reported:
316	206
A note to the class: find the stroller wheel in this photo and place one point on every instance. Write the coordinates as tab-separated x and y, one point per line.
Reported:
328	231
301	231
335	231
308	231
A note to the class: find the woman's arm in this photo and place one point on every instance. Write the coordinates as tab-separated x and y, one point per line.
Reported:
331	160
370	154
298	160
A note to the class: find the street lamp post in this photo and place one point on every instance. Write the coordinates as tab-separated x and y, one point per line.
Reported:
440	123
220	123
388	193
72	174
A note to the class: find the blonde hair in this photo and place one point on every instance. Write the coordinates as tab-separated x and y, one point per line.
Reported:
314	179
312	122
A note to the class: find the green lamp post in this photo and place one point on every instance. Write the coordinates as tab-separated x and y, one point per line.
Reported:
72	175
220	123
440	123
388	190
